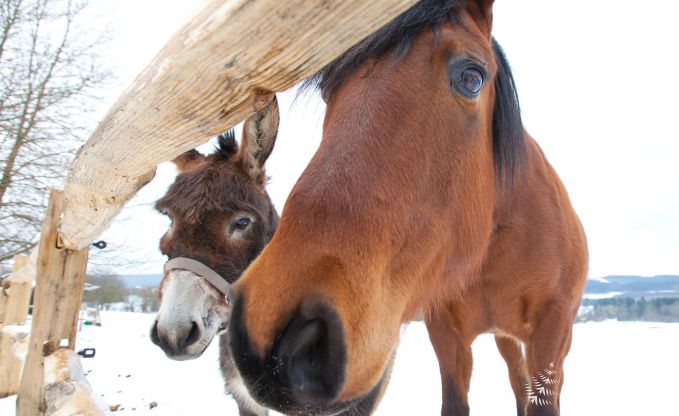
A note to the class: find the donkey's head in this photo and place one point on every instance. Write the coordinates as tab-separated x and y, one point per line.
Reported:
221	217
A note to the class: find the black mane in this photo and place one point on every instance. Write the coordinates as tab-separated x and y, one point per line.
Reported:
508	146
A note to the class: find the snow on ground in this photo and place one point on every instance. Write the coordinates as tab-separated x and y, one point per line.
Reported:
615	368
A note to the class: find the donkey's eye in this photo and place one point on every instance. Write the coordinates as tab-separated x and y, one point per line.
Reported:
236	228
241	223
469	81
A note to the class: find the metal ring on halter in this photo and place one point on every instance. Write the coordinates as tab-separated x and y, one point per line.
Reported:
201	270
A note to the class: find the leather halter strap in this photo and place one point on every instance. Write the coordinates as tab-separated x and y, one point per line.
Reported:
201	270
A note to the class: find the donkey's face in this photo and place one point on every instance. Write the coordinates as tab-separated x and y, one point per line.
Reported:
222	217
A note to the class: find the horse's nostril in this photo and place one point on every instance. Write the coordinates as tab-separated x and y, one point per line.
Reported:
306	361
311	349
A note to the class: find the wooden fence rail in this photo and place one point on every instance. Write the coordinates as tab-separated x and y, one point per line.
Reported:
220	68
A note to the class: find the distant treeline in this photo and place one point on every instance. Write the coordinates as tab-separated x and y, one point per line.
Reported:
630	309
633	284
108	291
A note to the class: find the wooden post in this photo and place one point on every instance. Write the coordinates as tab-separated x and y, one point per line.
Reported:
4	298
18	295
221	67
10	363
15	297
60	278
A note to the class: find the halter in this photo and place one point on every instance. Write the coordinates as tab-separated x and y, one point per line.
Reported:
202	270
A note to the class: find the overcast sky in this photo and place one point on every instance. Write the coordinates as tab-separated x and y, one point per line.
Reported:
598	90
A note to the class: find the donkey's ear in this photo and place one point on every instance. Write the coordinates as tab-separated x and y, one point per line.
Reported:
188	160
482	13
259	136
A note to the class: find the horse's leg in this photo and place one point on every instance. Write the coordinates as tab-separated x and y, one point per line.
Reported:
454	354
510	349
546	350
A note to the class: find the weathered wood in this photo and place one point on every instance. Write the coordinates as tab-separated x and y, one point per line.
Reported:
20	261
17	295
67	391
220	68
4	298
26	273
12	354
58	291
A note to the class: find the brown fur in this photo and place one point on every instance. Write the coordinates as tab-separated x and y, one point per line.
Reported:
401	208
208	196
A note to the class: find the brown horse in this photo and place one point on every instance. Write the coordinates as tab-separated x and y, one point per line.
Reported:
425	192
221	217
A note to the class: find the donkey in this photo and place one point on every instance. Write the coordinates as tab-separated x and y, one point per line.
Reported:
222	217
426	191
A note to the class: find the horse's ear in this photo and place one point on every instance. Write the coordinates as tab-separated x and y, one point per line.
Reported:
188	160
482	13
259	137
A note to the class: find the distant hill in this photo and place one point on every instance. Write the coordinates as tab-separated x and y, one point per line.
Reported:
632	286
132	281
635	286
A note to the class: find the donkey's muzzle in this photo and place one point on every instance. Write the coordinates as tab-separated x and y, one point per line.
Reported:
304	371
177	341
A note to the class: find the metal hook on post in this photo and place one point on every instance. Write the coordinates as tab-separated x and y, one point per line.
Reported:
101	244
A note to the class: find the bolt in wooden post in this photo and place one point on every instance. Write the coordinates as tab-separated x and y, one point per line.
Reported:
60	279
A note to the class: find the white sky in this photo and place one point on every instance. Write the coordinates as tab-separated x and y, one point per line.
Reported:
597	85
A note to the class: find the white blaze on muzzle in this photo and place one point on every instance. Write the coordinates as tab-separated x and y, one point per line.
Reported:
201	270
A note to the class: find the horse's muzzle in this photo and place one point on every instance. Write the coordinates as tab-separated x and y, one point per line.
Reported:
304	371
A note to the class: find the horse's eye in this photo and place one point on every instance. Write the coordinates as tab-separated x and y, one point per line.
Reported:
241	223
469	81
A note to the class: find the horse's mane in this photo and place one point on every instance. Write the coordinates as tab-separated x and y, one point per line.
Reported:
508	146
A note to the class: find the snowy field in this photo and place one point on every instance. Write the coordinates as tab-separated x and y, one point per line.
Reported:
614	368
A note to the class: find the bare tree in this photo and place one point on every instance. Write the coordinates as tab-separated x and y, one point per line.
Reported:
48	72
107	289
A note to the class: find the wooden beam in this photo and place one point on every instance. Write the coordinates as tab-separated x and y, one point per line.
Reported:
220	68
58	292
